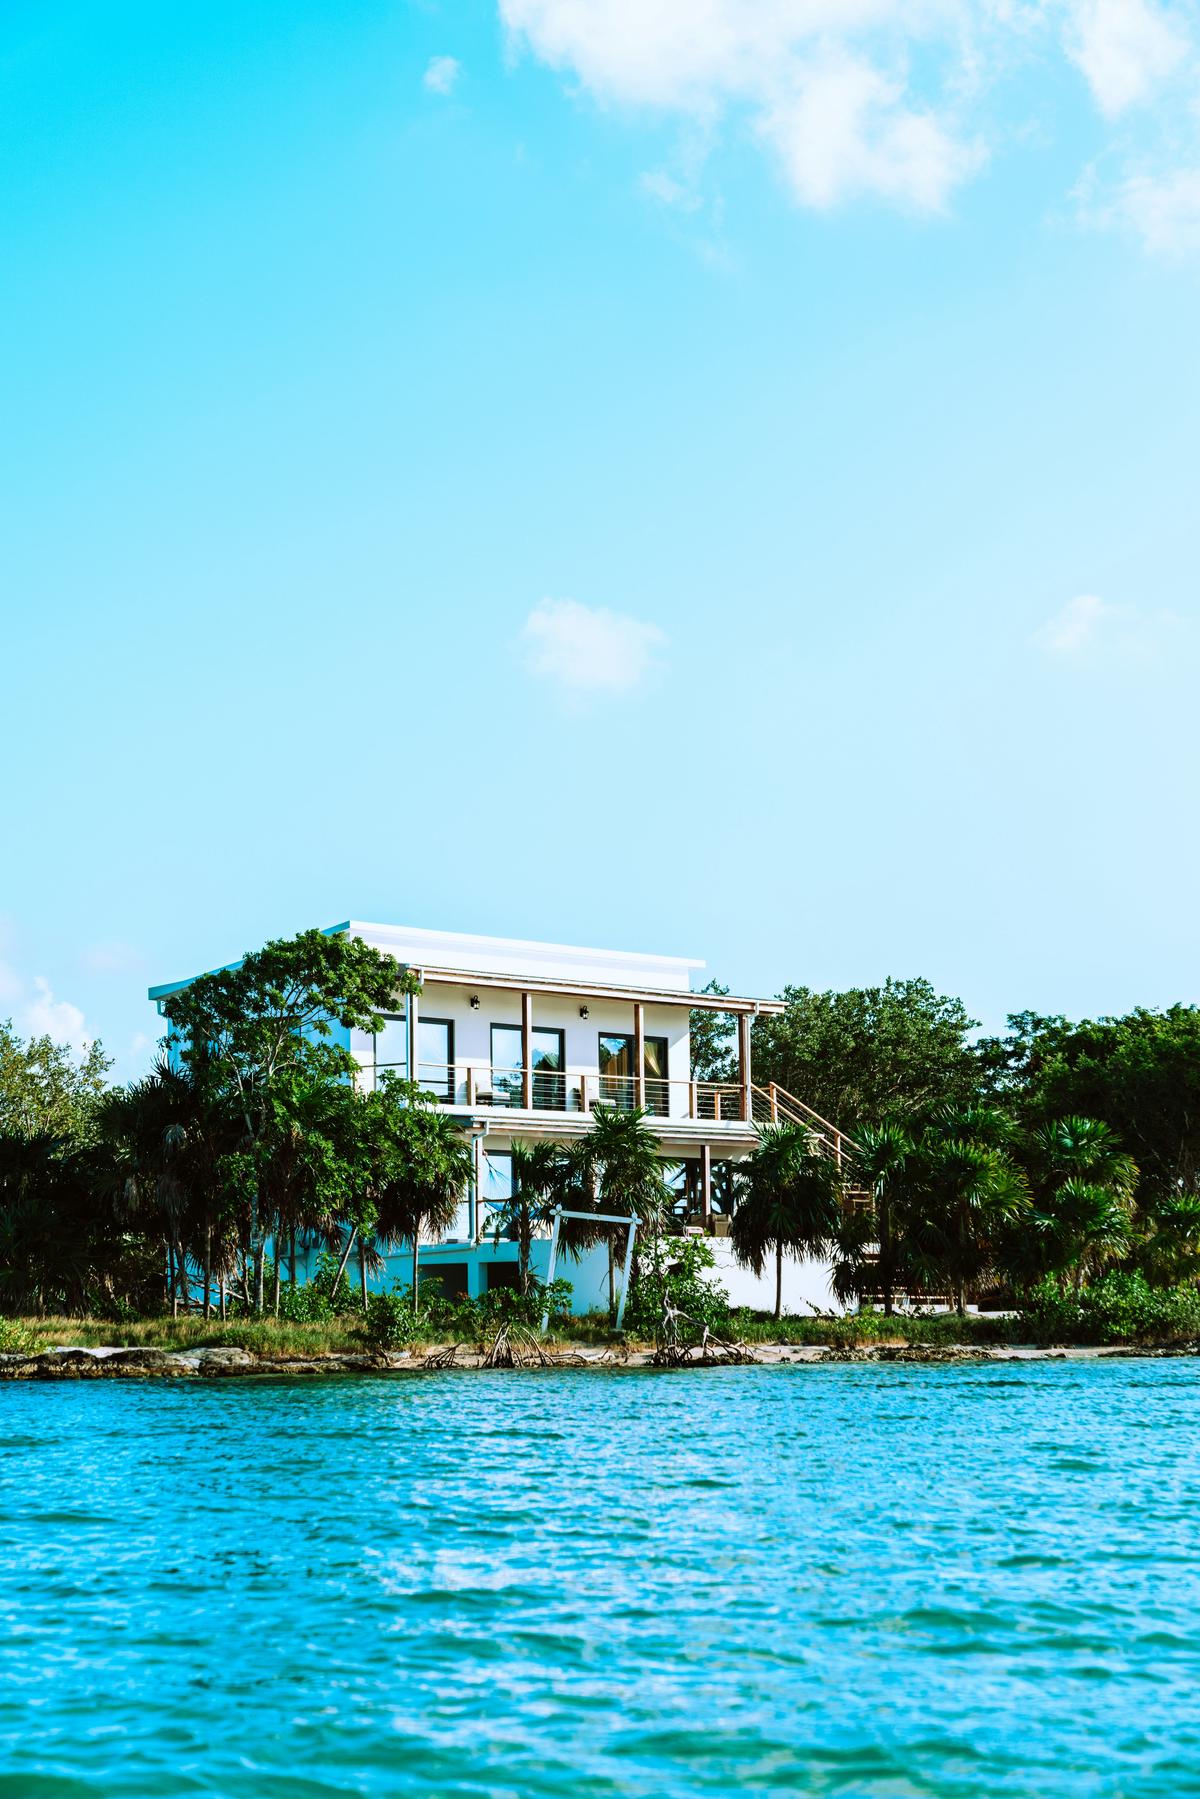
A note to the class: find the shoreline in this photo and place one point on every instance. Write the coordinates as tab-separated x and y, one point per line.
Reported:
221	1363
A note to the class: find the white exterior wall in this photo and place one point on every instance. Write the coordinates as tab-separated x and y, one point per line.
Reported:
551	1011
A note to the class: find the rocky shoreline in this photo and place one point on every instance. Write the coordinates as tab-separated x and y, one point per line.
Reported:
227	1363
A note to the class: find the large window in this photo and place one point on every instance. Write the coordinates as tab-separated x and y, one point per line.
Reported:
618	1085
435	1053
547	1060
435	1049
391	1046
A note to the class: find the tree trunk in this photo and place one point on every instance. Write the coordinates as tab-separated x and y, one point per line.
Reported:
175	1282
524	1237
207	1269
779	1278
260	1274
885	1256
292	1255
222	1295
275	1284
415	1256
362	1270
341	1269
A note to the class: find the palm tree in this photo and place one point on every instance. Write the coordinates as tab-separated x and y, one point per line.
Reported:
791	1202
619	1165
966	1195
1083	1186
542	1177
884	1153
428	1165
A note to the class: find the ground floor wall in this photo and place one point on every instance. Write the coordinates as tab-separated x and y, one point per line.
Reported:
467	1268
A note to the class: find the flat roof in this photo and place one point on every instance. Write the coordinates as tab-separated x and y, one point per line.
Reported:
462	958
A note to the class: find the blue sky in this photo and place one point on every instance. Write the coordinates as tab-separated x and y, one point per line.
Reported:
714	478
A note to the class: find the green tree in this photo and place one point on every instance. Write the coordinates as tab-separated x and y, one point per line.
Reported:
45	1091
884	1153
711	1037
424	1167
963	1198
264	1030
618	1165
790	1205
896	1051
543	1178
1081	1216
1139	1074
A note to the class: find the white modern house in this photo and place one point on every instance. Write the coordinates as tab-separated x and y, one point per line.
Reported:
521	1040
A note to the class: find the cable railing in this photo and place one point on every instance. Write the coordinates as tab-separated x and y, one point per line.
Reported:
541	1089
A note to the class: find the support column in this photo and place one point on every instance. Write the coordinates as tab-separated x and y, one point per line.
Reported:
476	1191
413	1014
706	1182
744	1070
527	1050
639	1054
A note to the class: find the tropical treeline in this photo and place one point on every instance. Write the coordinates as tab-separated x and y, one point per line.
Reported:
993	1168
987	1168
193	1187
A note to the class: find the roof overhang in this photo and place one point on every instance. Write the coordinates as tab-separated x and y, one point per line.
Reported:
650	996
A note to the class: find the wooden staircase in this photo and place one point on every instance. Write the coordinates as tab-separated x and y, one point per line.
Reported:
775	1105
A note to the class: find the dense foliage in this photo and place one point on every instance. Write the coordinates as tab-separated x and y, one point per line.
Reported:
1052	1171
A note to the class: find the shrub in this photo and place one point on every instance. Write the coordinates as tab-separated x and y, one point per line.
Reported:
676	1267
391	1322
16	1338
1118	1308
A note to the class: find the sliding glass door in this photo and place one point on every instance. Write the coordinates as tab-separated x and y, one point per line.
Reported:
435	1048
618	1063
547	1062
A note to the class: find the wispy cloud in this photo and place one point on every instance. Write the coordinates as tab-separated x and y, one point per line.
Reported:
441	74
1162	210
588	651
1076	627
1087	625
892	100
111	958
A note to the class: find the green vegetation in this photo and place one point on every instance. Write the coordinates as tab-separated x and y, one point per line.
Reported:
1049	1174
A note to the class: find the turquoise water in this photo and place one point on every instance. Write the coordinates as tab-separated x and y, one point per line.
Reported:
877	1582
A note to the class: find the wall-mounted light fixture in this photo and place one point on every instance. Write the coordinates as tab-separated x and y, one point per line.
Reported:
474	1002
583	1011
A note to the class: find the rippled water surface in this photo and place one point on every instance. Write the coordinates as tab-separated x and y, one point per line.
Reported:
840	1580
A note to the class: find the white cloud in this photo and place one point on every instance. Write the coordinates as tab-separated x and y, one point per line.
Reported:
1077	626
887	99
824	81
1125	48
1162	211
441	74
36	1012
588	650
845	131
45	1016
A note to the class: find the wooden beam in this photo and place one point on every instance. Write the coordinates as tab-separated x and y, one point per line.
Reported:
527	1051
639	1053
706	1182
